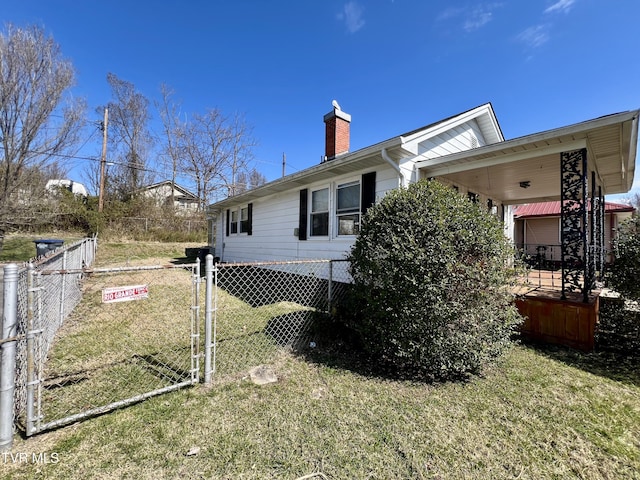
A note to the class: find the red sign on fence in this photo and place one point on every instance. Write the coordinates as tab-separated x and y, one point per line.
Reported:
124	294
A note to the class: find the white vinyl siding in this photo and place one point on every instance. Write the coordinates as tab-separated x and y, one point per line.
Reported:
275	222
458	139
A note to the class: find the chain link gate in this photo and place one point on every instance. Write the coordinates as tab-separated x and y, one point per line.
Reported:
134	334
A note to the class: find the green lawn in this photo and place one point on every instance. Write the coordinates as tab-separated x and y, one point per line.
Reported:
21	248
539	413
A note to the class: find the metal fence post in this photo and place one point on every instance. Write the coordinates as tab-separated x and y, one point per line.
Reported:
8	355
31	312
63	281
329	289
195	325
207	318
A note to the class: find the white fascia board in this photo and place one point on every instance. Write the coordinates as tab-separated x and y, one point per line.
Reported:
630	134
579	129
471	163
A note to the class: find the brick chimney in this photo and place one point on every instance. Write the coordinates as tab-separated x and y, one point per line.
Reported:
336	132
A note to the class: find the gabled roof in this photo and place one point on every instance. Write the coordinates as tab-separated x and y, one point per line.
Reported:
183	191
396	148
483	114
552	209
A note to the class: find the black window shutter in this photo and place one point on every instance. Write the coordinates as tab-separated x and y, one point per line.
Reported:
250	219
368	191
302	223
228	220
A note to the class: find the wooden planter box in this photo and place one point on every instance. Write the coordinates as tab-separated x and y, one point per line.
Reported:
564	322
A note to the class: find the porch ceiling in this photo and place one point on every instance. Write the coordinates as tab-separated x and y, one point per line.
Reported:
497	170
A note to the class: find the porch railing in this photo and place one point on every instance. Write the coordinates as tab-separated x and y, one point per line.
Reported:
541	256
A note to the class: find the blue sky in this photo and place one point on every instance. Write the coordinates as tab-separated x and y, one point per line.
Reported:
394	65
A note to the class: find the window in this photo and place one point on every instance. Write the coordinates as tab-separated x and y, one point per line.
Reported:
335	210
240	220
233	226
474	197
348	208
320	212
244	220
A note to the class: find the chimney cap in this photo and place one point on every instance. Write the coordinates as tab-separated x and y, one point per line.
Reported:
337	112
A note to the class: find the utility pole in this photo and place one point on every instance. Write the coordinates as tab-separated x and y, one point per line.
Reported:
284	163
103	159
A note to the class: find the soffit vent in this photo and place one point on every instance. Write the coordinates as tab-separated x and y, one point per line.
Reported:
474	141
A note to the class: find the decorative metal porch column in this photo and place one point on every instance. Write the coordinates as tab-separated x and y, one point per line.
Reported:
600	253
577	264
596	220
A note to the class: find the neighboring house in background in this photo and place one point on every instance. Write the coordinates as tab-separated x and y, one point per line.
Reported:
316	213
537	229
183	199
53	186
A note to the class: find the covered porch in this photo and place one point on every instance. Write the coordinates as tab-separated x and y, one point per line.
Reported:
577	165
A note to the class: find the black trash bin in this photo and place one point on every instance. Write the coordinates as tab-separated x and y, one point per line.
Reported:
202	254
46	245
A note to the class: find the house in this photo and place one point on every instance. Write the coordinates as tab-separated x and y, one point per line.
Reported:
161	193
315	213
538	229
54	186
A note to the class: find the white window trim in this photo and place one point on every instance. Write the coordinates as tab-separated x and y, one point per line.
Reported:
333	230
238	222
311	236
232	222
334	212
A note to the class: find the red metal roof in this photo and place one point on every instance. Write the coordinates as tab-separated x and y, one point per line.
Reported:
550	209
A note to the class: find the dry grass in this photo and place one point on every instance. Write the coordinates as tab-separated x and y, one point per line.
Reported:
540	413
109	352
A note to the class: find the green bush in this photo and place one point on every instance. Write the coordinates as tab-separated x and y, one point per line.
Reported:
618	327
431	276
623	274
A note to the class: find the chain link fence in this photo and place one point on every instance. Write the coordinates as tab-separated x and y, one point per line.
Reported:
64	295
262	308
146	224
91	340
133	335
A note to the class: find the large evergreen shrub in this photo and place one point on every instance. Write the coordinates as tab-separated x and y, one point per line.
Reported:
618	328
624	273
431	273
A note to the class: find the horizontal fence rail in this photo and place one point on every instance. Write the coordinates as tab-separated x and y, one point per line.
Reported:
134	335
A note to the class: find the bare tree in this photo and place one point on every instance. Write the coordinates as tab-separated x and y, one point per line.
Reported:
173	132
241	144
129	139
248	181
635	202
205	146
38	122
217	151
